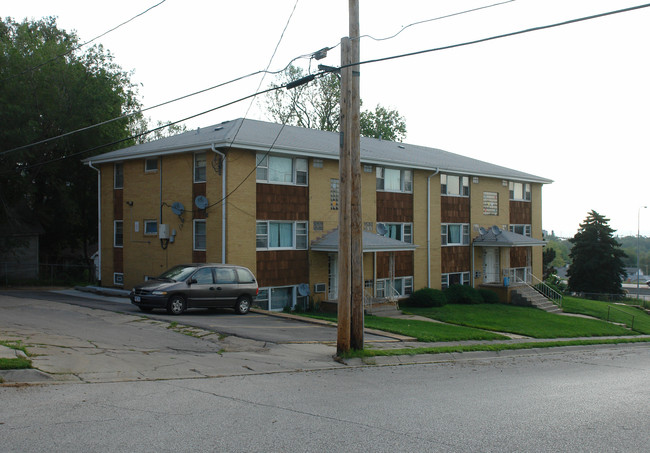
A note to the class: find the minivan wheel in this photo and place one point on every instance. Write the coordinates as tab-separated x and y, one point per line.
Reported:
176	305
243	305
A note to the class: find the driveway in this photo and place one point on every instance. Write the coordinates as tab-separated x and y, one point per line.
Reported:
256	325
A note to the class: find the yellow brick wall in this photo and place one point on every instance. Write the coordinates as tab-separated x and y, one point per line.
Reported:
421	277
536	229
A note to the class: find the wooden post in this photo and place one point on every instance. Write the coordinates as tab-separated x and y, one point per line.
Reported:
343	305
356	231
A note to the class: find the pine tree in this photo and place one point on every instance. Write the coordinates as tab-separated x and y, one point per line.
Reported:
597	258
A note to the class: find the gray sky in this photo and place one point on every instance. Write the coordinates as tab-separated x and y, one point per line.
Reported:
570	103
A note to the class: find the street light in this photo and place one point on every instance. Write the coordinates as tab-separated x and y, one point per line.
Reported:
638	268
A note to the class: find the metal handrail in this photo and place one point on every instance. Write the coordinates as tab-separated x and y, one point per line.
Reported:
542	288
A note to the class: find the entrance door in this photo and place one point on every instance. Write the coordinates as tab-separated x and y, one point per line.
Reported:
491	265
333	278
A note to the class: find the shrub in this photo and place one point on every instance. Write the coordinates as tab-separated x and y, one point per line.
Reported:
426	297
489	296
463	294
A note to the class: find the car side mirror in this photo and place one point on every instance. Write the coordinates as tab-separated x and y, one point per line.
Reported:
191	281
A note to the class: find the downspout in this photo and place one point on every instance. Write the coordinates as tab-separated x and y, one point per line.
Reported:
223	205
429	226
99	220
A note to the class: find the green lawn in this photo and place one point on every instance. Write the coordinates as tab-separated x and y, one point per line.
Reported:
14	364
526	321
632	317
422	330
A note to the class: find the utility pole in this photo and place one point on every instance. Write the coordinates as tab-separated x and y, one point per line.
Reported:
350	257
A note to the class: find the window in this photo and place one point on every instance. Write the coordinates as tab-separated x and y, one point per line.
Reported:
275	299
456	186
204	276
398	231
334	194
199	235
151	165
281	235
118	176
490	203
393	180
226	276
519	191
402	286
118	278
199	167
150	227
455	234
524	230
457	278
118	233
281	170
244	275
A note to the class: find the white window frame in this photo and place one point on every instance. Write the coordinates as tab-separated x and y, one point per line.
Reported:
118	183
464	278
383	283
200	167
405	178
115	234
196	236
147	161
118	278
463	186
299	234
147	222
403	235
516	188
299	170
525	228
464	234
268	290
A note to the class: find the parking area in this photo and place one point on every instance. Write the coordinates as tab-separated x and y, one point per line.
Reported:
254	325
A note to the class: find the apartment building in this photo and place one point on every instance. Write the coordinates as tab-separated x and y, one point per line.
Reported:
266	196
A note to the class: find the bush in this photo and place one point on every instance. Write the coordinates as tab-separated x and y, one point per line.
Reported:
489	296
426	297
463	294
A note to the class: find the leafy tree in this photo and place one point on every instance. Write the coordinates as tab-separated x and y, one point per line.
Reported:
548	256
48	86
597	258
317	106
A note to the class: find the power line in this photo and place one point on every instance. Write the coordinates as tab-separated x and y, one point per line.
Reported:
34	68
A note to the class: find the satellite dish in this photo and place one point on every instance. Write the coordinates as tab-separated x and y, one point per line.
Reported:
201	202
495	229
381	229
303	289
178	208
482	231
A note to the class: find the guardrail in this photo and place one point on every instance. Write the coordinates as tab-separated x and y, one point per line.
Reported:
609	309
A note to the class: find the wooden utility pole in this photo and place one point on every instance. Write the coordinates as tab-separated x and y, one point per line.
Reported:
356	232
344	292
350	257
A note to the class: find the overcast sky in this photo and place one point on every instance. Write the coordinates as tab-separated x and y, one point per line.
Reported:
570	104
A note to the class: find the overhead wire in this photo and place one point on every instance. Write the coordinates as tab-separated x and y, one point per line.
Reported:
322	73
75	48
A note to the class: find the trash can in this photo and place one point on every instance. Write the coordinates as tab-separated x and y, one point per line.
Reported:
506	281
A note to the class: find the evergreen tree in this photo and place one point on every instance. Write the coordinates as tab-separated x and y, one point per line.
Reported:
597	258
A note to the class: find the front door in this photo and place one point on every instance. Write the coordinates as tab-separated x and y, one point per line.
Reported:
333	278
491	265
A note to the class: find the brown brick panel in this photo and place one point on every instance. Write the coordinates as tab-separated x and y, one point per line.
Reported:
118	260
282	267
518	257
403	264
118	204
394	207
455	259
198	188
198	256
521	212
279	202
454	209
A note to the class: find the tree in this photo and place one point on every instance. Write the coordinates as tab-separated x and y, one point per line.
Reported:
316	105
48	86
597	258
548	256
